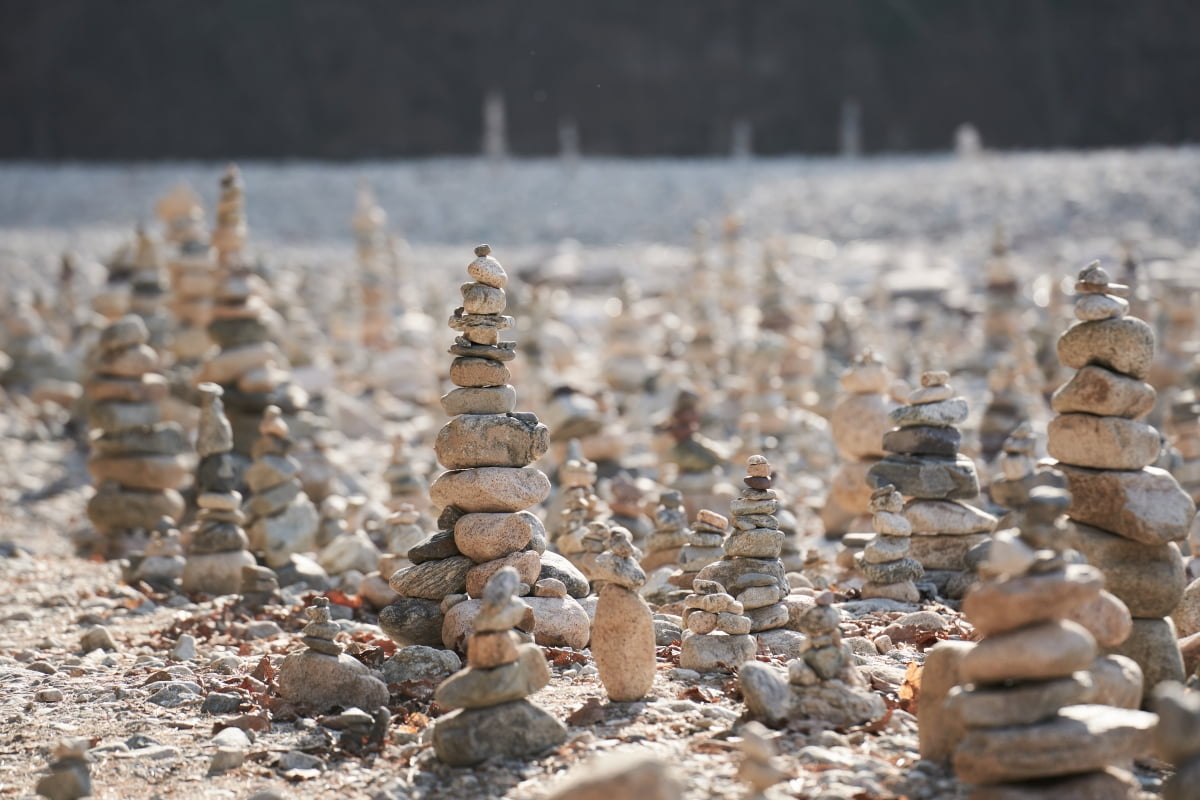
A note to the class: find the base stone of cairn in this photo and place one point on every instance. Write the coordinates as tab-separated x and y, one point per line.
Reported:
162	562
1029	693
217	544
923	463
885	560
485	494
137	461
822	684
1128	514
623	642
493	718
666	543
282	520
717	636
321	677
858	422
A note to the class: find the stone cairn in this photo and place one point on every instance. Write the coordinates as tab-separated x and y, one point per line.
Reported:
1007	408
859	422
321	677
494	718
717	636
760	767
217	544
923	463
369	224
1128	515
1019	471
890	571
162	562
147	289
623	626
705	540
70	776
405	478
250	367
625	504
282	521
821	684
699	460
488	486
664	546
579	506
1030	697
34	356
1177	739
137	461
192	275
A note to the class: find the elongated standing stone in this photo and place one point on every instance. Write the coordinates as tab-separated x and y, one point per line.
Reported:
623	627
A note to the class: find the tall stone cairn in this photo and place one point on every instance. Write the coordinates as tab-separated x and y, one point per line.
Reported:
580	505
488	485
191	269
281	519
923	463
1128	514
137	460
370	241
885	560
147	291
858	422
217	549
250	367
1030	697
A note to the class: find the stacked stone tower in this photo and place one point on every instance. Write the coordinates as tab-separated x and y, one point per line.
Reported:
885	560
137	460
663	547
1128	514
282	520
193	280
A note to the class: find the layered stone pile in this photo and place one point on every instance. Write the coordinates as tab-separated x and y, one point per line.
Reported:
217	543
137	461
859	422
717	636
1020	472
193	280
665	545
1128	515
493	718
488	485
281	520
626	510
623	626
705	540
1008	406
699	461
322	676
250	367
147	291
923	463
579	506
34	356
1028	699
821	684
885	561
162	562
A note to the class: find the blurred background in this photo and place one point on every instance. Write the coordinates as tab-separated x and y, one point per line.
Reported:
314	79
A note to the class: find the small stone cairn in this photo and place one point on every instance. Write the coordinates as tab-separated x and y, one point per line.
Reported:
494	718
665	545
717	636
1008	406
885	561
625	504
923	463
859	422
699	460
147	289
822	684
1177	738
488	485
70	777
623	626
1128	515
1020	473
1027	688
282	521
321	677
193	280
704	546
760	767
577	477
34	356
405	478
137	460
217	548
162	562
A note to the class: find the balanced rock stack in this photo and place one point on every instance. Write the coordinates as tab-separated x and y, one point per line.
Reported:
717	636
1020	472
321	677
698	459
405	478
147	288
704	546
1128	514
885	561
250	367
494	718
1183	427
859	422
488	486
923	463
282	521
822	683
577	477
625	507
664	546
34	356
1007	408
1027	685
162	562
623	626
192	276
137	461
217	544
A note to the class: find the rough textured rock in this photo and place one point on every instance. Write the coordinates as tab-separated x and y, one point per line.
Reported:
318	682
1096	390
623	644
1085	440
491	440
1123	345
490	489
1152	644
469	736
1149	579
1144	505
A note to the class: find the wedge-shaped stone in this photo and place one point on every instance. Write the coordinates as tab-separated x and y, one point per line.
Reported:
926	477
433	580
1124	345
1096	390
1144	505
480	688
999	606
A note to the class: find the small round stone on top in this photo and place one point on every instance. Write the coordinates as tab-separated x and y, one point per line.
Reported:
935	378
